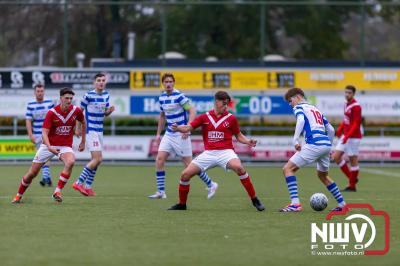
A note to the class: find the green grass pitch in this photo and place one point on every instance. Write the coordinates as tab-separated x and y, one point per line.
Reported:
120	226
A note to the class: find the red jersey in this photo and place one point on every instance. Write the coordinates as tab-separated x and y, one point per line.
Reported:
61	124
217	131
351	124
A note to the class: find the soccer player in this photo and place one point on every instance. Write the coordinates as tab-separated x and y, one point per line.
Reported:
218	127
173	107
318	134
96	106
350	135
34	117
58	131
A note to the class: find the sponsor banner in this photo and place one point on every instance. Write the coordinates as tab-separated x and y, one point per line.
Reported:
16	148
338	78
119	148
115	148
372	105
271	148
15	105
243	79
371	148
240	105
278	148
198	147
76	79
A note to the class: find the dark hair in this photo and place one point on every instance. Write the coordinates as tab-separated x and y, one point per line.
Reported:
293	92
38	86
66	90
222	96
167	75
99	75
351	87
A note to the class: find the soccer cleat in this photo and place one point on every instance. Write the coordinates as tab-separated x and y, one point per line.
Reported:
257	203
349	189
49	183
57	196
212	190
178	207
42	182
338	209
90	192
80	188
17	199
292	208
158	195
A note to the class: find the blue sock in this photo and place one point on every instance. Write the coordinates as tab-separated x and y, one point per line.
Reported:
160	176
205	178
333	188
292	186
90	178
46	172
84	175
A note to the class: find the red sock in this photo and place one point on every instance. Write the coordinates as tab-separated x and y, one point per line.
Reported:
184	187
246	182
22	187
62	181
354	176
345	169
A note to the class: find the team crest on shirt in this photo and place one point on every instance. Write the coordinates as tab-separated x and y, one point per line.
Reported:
226	124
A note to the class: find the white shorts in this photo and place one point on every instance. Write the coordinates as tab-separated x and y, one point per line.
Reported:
174	144
211	158
310	154
43	154
94	141
350	148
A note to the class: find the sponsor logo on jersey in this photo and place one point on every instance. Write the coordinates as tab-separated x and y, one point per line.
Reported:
63	130
215	136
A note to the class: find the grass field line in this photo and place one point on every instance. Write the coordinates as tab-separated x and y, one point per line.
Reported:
380	172
133	197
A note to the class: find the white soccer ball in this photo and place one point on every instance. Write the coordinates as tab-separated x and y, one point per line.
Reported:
318	201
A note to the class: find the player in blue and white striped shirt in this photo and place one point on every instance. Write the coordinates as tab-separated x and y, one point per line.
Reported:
96	106
318	135
173	108
35	113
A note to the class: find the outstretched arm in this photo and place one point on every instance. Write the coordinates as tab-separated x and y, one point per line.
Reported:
245	140
182	128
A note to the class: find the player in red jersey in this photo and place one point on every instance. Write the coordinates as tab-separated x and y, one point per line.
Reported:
58	130
218	127
350	135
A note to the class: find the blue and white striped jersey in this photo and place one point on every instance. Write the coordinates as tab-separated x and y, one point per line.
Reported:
315	123
95	105
36	111
172	106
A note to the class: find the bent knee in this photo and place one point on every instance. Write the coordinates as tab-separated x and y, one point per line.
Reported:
70	163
